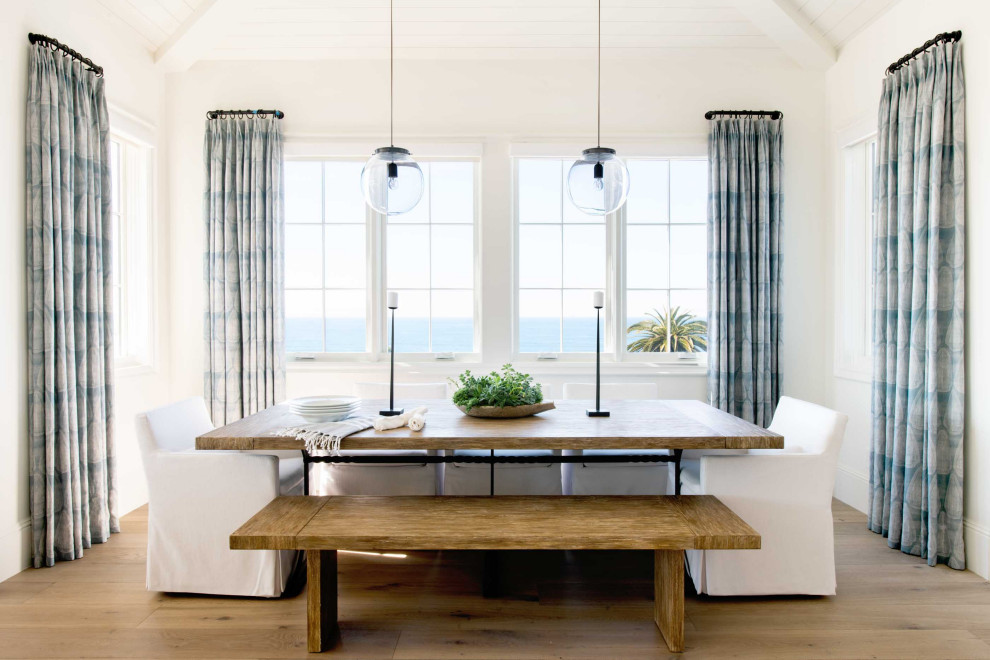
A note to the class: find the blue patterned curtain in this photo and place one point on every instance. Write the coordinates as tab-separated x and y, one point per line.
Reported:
69	316
244	268
745	204
916	459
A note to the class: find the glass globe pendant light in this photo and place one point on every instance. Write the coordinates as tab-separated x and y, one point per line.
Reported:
598	182
391	180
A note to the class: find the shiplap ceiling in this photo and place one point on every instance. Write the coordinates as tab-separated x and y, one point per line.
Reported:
182	32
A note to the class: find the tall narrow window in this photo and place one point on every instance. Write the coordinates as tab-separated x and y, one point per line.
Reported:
561	261
326	266
430	263
854	269
666	256
131	200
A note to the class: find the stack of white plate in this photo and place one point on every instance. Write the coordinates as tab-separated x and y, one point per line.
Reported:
325	408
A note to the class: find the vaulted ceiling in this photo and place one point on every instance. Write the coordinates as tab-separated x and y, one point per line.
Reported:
182	32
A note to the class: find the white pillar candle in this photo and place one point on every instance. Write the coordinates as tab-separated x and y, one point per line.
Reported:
598	299
393	299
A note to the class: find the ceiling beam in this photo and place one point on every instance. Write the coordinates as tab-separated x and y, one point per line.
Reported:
789	29
196	36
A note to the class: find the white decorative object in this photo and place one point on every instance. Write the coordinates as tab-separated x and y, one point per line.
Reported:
598	299
393	299
387	423
197	498
785	494
417	422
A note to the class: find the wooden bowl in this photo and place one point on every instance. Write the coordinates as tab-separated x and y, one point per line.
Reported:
507	412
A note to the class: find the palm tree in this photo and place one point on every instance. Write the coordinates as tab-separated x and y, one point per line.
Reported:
675	331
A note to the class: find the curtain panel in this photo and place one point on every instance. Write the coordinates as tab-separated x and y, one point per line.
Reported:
243	266
745	206
916	458
69	309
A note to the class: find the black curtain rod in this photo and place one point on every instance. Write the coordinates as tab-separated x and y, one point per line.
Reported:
214	114
937	39
773	114
56	45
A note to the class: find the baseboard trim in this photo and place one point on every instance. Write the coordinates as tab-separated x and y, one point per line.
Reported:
15	549
977	540
852	487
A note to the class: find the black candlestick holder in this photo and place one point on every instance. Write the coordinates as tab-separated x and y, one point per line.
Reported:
598	412
392	411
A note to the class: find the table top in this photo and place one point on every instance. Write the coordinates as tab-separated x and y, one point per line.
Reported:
495	523
641	424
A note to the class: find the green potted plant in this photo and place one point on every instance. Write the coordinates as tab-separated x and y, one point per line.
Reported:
499	395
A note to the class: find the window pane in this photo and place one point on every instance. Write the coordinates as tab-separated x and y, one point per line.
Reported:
408	256
691	323
646	257
420	212
346	256
640	305
344	199
571	212
303	258
689	257
412	322
303	321
539	190
584	256
452	192
689	191
648	180
303	191
579	321
452	256
539	257
453	321
346	313
539	321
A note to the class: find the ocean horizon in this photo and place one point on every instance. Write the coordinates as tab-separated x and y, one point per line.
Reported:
537	335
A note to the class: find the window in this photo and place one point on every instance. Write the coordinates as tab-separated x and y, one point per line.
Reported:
854	304
130	217
561	262
341	259
657	266
666	256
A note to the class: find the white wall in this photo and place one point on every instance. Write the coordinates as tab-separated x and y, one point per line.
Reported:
496	103
853	90
134	85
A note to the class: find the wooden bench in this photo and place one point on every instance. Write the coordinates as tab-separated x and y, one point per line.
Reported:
323	525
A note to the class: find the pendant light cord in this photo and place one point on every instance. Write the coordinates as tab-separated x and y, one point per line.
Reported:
391	75
599	73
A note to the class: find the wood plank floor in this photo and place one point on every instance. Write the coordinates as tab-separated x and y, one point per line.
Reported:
559	605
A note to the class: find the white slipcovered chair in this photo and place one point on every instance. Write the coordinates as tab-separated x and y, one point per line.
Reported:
197	498
785	495
510	478
386	479
614	478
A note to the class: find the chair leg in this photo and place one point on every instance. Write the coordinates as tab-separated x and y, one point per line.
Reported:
668	603
322	632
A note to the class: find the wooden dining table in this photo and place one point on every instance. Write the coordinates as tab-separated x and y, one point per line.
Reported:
675	425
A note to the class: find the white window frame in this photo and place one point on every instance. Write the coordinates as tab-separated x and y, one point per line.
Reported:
853	362
135	354
614	314
378	317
